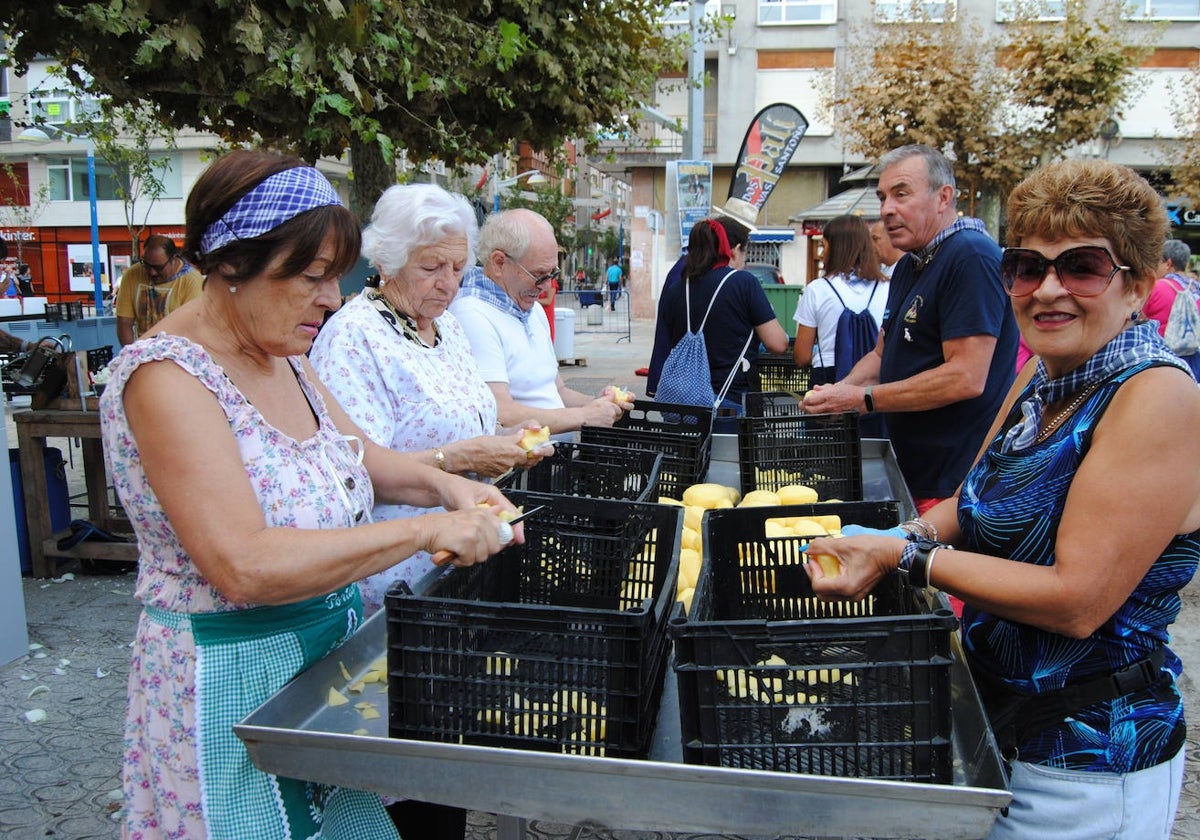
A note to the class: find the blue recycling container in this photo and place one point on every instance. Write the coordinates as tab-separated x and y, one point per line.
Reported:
59	499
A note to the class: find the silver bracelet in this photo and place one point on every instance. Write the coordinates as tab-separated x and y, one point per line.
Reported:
927	529
929	565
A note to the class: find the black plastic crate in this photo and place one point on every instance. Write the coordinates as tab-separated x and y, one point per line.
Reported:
772	678
64	311
592	470
821	451
558	644
682	433
771	404
779	372
98	358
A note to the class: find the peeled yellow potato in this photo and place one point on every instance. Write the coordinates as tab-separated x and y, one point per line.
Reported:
690	539
830	565
531	438
620	395
667	500
806	527
831	522
692	516
689	568
796	494
776	528
710	496
760	498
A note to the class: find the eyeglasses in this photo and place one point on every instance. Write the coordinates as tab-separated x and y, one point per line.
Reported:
155	269
1085	271
538	279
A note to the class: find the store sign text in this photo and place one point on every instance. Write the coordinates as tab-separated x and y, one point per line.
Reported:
1183	216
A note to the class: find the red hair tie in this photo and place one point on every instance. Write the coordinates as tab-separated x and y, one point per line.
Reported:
724	252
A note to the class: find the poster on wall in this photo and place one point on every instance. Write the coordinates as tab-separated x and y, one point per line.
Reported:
79	264
694	191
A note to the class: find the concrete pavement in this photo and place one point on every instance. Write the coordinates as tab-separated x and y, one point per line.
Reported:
60	777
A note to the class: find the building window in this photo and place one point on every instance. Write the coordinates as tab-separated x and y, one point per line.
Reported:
1163	9
59	108
68	179
797	11
915	11
1007	10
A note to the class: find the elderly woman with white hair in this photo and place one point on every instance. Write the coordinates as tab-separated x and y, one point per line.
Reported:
400	364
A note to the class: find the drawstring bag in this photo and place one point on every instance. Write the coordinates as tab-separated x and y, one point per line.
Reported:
686	377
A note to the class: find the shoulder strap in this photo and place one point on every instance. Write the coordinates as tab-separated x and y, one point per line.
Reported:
833	288
711	301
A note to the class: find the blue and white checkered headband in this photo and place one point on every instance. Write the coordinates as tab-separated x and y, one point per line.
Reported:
283	196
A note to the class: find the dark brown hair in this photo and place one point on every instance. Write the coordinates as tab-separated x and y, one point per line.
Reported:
704	248
298	240
848	247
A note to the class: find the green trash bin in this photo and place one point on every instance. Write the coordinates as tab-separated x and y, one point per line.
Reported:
784	299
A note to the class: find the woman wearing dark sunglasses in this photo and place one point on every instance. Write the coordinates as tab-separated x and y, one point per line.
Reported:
1079	523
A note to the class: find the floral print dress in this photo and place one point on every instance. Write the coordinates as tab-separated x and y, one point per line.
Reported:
313	483
404	395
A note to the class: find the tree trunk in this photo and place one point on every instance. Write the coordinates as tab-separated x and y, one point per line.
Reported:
372	175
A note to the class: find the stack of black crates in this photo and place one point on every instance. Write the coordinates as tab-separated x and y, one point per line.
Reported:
779	372
778	445
557	644
593	470
681	433
772	678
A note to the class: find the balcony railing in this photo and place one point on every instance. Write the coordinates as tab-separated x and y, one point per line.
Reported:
654	139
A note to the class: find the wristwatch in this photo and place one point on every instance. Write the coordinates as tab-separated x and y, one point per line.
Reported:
914	560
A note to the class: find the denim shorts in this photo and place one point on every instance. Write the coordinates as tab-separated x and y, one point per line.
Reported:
1054	804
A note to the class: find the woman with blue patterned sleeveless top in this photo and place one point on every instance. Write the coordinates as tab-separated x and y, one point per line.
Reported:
1079	523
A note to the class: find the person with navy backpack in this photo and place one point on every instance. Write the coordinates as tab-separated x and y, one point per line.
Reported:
838	316
726	308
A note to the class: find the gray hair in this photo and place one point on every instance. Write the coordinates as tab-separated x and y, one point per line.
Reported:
509	231
1177	252
938	170
412	216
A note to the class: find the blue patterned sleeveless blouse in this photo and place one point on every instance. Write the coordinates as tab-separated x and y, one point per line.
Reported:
1010	506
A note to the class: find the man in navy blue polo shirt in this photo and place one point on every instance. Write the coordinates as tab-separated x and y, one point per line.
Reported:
945	357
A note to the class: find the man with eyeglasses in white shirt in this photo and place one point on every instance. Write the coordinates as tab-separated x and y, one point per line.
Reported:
509	332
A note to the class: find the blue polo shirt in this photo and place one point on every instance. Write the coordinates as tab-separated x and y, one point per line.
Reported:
957	294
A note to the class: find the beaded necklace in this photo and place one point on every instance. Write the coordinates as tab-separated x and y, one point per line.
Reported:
400	322
1066	412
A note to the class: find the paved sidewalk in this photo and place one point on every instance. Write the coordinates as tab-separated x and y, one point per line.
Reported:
60	777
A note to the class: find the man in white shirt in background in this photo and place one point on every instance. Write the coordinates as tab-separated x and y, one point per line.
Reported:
888	253
497	306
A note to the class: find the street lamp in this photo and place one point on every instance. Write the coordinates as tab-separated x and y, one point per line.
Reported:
36	135
534	176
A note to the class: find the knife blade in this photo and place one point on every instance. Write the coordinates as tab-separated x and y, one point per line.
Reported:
444	556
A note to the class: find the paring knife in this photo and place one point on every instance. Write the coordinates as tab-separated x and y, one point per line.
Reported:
444	556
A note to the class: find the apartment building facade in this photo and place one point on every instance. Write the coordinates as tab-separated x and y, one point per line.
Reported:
795	51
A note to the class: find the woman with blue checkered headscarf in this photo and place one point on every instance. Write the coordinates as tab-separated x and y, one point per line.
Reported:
250	491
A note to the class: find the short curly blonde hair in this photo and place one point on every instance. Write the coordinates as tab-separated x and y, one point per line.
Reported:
1092	198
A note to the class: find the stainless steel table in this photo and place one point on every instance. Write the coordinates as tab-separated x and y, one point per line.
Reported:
296	733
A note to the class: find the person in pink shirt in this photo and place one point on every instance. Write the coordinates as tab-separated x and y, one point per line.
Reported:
1171	282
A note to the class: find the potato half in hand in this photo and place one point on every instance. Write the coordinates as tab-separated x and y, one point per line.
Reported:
830	565
533	438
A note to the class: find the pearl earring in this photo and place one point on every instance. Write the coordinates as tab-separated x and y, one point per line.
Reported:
232	289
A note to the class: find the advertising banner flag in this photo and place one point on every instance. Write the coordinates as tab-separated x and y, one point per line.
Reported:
769	144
